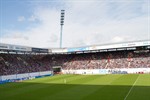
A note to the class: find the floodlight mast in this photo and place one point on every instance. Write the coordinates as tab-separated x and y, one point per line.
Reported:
61	25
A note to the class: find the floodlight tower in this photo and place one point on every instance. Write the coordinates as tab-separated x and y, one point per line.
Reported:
61	25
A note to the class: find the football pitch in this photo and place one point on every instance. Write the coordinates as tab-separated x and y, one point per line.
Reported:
80	87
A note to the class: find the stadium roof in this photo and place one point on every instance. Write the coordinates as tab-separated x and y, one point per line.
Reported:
10	47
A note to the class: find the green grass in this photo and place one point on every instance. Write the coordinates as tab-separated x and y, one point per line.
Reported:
80	87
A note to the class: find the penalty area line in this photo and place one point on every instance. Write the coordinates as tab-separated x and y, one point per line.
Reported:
131	88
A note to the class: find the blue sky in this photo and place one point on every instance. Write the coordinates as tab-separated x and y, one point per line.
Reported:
87	22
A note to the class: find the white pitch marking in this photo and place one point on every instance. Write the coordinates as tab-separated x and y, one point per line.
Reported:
131	88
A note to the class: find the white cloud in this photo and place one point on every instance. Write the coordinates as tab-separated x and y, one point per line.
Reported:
32	18
21	18
86	23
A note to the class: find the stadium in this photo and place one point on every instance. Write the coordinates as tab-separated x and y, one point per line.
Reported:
108	72
102	53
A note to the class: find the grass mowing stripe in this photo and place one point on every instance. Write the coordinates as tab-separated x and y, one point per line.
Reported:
30	87
127	79
104	80
36	93
84	79
131	88
141	90
98	93
72	80
144	80
57	77
61	80
77	92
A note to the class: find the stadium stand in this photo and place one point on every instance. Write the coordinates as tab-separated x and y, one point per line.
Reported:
109	60
26	63
20	63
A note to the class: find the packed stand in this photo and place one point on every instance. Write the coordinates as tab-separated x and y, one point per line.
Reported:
109	60
17	63
25	63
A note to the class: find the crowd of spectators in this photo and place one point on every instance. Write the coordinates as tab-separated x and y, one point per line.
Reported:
20	63
25	63
109	60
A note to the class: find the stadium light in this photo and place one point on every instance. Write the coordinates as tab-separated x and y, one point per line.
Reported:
61	25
